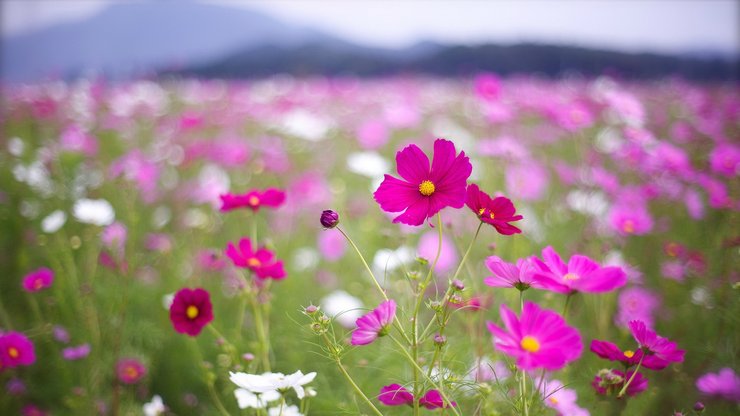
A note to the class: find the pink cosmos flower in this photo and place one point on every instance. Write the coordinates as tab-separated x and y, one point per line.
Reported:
655	345
725	384
76	353
556	396
433	400
38	279
527	180
332	245
114	238
16	349
262	261
580	274
611	382
130	370
428	245
191	310
725	160
253	200
487	86
630	218
372	134
498	212
520	276
636	303
424	191
395	395
33	410
74	139
540	338
374	324
628	358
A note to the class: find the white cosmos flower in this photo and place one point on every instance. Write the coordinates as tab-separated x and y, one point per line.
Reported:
53	222
155	407
273	382
247	399
94	211
291	410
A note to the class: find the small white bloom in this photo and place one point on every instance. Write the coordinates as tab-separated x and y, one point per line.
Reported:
247	399
370	164
94	211
167	300
155	407
272	382
53	222
291	410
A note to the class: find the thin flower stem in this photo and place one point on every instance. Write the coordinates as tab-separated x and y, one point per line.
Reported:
262	336
634	373
567	304
217	400
367	267
436	385
465	256
375	280
523	388
415	317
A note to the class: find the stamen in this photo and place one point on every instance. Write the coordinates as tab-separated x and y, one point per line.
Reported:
426	188
530	344
192	312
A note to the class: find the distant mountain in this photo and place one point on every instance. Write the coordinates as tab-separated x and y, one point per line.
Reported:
454	60
188	38
136	37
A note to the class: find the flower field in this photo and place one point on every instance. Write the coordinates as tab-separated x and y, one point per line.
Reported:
397	246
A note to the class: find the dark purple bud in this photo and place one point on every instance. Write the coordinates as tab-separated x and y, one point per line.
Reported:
458	285
699	407
329	219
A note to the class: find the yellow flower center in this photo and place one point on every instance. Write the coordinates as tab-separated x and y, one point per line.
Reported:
253	262
37	284
629	353
553	400
254	201
530	344
571	276
131	372
628	226
13	352
192	312
482	212
426	188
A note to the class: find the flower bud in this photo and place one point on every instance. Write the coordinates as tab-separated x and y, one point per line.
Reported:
458	285
698	407
311	309
329	219
248	356
440	340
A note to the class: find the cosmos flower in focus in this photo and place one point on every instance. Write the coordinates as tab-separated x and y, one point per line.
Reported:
498	212
423	190
16	350
374	324
540	338
580	274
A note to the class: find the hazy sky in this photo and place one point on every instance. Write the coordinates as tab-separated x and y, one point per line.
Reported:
661	25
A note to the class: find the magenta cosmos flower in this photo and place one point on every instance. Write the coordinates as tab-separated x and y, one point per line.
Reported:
498	212
397	395
520	276
253	200
580	274
725	384
262	261
628	358
424	191
37	280
130	370
15	350
540	338
611	382
656	346
374	324
191	310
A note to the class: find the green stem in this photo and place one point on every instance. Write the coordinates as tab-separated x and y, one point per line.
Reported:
567	304
262	336
436	385
523	388
367	267
217	400
465	256
627	384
